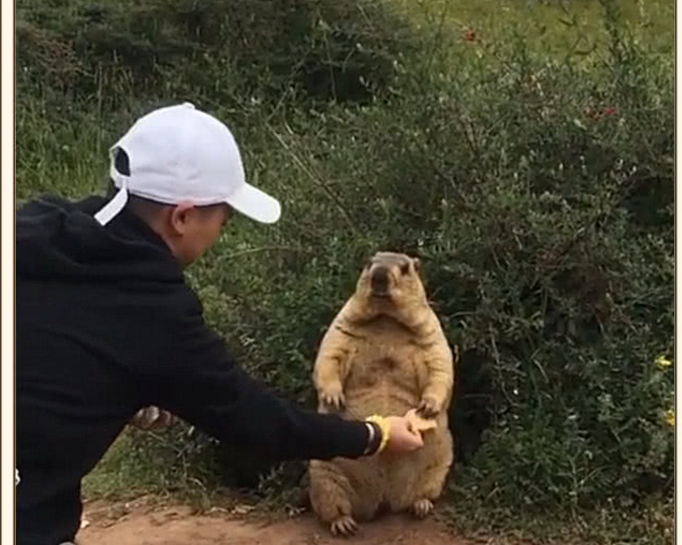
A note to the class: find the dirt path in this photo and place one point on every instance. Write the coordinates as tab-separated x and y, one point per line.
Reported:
145	524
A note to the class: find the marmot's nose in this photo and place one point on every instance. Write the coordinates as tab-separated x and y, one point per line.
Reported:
380	278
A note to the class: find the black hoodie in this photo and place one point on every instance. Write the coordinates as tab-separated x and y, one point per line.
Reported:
105	326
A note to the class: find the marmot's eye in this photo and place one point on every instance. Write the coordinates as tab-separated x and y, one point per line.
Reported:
405	268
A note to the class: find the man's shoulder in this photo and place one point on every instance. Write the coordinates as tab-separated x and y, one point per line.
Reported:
183	303
51	202
189	300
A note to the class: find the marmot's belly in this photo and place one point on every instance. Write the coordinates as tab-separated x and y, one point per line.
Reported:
381	391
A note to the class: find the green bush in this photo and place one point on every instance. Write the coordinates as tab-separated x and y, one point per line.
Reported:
215	50
540	197
537	191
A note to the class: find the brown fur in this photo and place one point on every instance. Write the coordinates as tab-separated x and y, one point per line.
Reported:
384	355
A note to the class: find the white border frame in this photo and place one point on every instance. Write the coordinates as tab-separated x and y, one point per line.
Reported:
7	293
678	283
7	534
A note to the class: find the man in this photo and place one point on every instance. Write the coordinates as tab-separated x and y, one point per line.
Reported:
107	326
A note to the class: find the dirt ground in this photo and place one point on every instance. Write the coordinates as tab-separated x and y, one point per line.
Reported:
144	523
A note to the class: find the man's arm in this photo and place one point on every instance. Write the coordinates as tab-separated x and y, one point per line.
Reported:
203	385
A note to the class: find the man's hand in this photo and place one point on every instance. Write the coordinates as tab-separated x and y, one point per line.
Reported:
152	418
402	438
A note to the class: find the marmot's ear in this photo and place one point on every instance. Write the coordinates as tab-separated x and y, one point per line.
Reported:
417	264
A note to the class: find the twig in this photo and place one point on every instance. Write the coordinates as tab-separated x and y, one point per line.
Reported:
498	364
264	249
315	179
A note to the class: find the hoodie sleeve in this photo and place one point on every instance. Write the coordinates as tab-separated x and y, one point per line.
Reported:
204	386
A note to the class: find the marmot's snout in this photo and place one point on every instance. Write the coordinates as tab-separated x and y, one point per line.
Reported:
379	280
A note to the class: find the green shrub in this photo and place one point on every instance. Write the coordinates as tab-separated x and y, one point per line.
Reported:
215	50
522	185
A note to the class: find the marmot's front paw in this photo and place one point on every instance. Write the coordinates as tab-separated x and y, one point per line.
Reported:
333	398
429	407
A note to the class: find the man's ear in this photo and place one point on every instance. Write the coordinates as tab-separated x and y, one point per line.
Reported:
179	217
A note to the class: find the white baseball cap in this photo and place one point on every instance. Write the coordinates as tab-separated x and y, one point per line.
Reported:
178	153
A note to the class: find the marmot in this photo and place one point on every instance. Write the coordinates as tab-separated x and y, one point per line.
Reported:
384	353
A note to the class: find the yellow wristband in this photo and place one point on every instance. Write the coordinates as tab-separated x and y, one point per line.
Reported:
385	430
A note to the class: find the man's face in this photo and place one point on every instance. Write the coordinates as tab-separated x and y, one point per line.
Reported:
195	229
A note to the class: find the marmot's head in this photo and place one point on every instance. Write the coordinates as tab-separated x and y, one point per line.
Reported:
390	284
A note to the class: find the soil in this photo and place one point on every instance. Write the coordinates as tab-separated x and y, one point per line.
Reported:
149	523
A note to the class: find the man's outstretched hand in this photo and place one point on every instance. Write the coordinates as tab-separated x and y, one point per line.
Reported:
403	438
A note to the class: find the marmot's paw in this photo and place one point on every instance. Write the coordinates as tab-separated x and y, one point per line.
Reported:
333	398
428	407
422	508
344	526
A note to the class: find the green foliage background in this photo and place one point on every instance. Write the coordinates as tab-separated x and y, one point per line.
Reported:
524	152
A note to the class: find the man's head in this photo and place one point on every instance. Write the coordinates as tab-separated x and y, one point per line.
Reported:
188	230
180	170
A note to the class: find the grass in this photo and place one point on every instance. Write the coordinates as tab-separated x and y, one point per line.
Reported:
138	465
151	464
556	27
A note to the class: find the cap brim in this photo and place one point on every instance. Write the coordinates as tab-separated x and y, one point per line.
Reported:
255	204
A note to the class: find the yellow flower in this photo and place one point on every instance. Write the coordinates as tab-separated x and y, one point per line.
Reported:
662	362
670	417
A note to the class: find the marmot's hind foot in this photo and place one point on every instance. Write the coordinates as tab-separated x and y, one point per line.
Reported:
422	508
344	526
